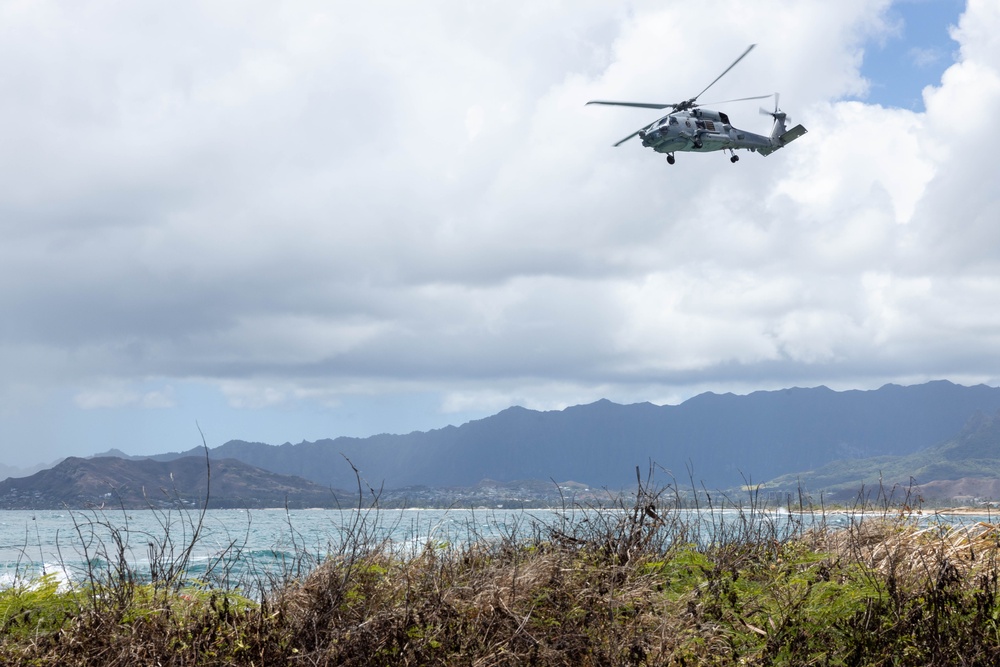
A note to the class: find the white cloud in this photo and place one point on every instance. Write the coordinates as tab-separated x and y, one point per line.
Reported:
312	201
121	396
925	57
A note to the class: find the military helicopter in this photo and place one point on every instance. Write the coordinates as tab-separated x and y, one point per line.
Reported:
688	127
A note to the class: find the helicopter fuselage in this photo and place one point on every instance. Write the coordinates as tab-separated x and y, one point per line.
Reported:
700	130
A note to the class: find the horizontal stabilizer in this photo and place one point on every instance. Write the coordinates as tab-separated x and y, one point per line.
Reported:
786	138
792	134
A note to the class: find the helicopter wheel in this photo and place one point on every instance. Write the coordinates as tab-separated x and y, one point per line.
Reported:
670	159
734	159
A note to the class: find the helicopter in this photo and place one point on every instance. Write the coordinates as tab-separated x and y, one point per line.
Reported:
689	127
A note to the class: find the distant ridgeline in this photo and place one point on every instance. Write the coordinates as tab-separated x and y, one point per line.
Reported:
112	482
723	439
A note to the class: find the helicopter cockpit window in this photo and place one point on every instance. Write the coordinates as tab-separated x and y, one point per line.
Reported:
673	121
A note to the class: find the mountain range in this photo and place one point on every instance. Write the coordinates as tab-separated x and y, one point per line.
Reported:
938	438
723	440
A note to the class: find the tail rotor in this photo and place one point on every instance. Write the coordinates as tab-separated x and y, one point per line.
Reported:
779	135
777	114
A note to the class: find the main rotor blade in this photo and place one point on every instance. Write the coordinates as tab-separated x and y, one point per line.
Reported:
628	137
741	99
643	105
749	49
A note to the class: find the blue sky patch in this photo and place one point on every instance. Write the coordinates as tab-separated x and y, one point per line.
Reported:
915	56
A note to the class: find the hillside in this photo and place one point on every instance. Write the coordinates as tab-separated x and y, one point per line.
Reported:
721	437
137	484
966	466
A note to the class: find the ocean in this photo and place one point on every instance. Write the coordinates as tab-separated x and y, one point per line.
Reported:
231	545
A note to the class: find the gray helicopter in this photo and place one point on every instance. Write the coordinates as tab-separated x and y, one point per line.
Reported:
691	128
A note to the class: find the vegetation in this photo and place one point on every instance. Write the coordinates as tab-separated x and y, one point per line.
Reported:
638	583
956	467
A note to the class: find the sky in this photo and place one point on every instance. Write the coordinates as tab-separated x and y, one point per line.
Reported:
290	221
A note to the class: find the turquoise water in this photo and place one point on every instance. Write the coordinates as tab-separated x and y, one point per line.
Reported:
248	548
231	544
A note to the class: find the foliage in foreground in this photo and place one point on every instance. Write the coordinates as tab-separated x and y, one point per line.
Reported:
640	585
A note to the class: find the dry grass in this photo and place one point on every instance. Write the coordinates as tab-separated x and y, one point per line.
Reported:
902	548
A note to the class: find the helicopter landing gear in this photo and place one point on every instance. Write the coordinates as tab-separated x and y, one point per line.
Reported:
735	158
670	158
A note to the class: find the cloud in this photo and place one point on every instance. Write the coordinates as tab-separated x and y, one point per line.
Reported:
123	396
313	201
925	57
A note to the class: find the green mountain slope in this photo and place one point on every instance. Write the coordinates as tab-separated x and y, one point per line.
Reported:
959	466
